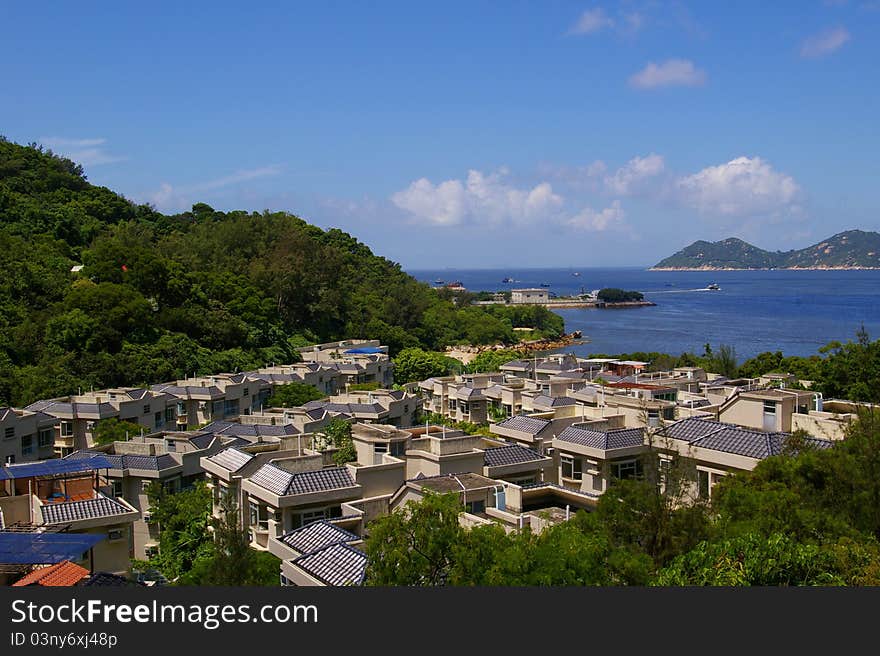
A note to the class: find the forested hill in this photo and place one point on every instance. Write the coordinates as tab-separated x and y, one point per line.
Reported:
203	291
853	249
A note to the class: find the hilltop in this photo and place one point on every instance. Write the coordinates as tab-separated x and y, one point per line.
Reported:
98	291
853	249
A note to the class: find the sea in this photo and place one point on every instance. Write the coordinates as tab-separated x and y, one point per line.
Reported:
793	311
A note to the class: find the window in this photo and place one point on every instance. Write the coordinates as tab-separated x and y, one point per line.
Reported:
159	420
181	409
703	483
66	429
398	449
452	404
170	445
217	408
230	407
45	437
147	409
27	445
245	392
653	417
10	459
259	516
465	407
115	534
9	433
169	414
626	469
770	407
117	489
284	580
475	507
309	517
571	467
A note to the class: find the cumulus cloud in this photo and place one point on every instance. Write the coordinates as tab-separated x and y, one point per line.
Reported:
175	198
591	21
588	219
87	152
672	72
479	198
742	187
824	43
629	178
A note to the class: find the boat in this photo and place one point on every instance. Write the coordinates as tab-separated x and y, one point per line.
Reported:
713	287
439	282
576	273
507	280
545	284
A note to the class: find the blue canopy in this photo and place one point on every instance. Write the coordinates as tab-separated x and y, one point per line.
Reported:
54	466
44	548
365	349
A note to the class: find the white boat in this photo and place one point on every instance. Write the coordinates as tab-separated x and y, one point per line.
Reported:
713	287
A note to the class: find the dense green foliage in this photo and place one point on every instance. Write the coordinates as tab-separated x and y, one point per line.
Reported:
853	248
338	432
293	395
189	555
115	430
488	361
203	291
615	295
808	517
415	364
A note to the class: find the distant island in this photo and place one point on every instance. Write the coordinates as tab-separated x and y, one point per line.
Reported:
853	249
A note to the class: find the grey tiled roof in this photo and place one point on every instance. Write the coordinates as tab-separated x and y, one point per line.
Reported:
691	429
318	481
250	430
272	478
552	401
620	438
524	424
129	460
729	438
316	536
231	459
509	455
470	393
335	564
284	483
59	513
202	441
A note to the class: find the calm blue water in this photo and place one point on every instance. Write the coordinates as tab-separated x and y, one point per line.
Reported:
795	312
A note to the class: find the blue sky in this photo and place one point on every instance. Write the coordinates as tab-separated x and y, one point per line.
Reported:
471	134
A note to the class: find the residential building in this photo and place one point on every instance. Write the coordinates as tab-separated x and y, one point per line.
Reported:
26	435
169	458
70	496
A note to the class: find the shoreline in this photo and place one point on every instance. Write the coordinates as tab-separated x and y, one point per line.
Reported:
466	353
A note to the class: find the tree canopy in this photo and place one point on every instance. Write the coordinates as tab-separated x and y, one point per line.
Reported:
203	291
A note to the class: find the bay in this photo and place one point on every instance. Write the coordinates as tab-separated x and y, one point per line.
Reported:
795	312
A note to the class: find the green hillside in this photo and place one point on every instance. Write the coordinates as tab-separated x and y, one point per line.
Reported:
852	249
202	291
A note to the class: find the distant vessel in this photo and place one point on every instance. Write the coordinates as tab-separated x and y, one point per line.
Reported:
507	280
545	284
439	282
576	273
713	287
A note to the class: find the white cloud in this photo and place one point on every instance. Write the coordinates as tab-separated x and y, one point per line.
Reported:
824	43
588	219
591	21
672	72
169	198
743	187
478	199
629	179
87	152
